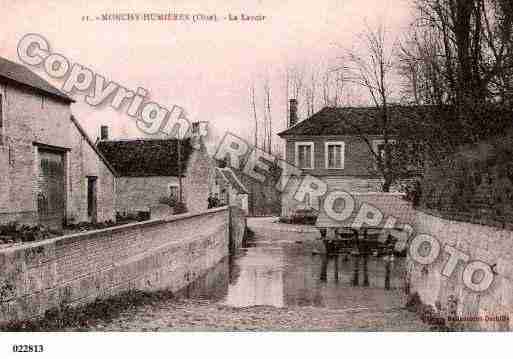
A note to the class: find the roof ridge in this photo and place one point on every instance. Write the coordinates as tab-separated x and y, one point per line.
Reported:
141	139
22	75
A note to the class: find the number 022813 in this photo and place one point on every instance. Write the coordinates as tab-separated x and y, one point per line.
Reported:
27	348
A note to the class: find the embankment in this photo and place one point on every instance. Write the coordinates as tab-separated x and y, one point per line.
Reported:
76	269
461	307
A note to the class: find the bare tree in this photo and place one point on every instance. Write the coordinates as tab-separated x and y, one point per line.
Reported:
332	88
459	53
267	110
253	110
310	94
295	84
371	68
262	116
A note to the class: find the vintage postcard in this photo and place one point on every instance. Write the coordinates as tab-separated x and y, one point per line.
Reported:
255	166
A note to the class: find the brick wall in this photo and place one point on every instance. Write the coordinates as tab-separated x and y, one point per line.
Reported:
485	243
76	269
30	117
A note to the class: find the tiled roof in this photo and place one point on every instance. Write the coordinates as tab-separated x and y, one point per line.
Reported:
146	157
357	120
22	75
389	204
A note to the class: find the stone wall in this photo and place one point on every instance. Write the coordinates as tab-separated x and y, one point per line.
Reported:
141	193
84	162
488	244
199	180
76	269
238	226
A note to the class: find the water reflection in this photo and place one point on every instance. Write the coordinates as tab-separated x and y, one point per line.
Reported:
260	279
288	273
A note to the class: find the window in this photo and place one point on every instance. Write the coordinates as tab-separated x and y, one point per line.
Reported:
224	197
379	149
195	128
305	155
173	191
334	155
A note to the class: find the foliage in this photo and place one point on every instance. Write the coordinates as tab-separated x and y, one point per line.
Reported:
301	216
459	53
67	317
14	232
476	182
170	200
126	217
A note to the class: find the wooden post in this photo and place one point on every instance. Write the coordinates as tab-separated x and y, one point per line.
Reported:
335	258
324	256
324	265
356	273
365	253
387	274
365	270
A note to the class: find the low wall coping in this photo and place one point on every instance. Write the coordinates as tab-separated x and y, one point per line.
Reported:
81	235
466	218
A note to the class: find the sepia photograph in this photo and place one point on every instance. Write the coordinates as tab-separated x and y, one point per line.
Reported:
336	169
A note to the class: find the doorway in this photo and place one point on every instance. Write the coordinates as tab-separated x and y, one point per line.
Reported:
91	199
51	191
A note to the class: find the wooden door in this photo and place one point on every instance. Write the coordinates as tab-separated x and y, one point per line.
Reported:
91	199
51	195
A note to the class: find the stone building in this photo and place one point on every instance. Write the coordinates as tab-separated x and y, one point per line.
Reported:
334	145
149	170
230	190
50	171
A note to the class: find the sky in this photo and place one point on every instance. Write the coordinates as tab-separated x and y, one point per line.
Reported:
205	68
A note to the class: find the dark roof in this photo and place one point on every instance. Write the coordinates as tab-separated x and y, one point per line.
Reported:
356	120
22	75
146	157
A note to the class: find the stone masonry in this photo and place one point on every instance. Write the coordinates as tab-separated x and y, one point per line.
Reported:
79	268
31	118
480	242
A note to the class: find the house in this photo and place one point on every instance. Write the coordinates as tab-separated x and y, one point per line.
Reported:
263	198
334	145
50	170
148	170
229	189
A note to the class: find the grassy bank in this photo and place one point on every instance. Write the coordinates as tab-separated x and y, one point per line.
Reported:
85	316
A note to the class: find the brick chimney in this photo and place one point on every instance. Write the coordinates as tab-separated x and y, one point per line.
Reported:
292	112
104	133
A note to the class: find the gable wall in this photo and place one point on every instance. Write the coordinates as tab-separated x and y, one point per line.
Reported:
31	117
199	181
